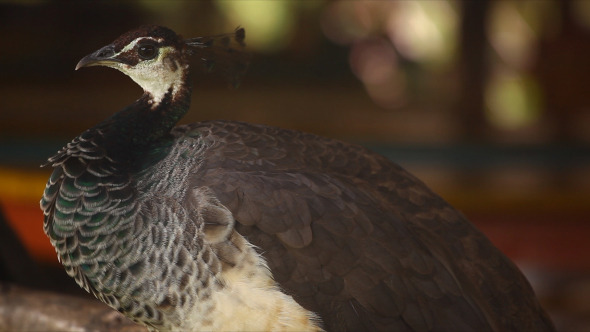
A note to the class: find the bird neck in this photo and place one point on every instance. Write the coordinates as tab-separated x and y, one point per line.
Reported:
145	125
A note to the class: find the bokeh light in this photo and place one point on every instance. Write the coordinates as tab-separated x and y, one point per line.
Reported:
511	36
424	31
513	100
270	23
345	22
581	12
374	62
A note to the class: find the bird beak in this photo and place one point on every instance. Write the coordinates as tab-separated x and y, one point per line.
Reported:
103	57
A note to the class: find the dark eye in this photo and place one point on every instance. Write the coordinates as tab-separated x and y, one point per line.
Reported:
147	51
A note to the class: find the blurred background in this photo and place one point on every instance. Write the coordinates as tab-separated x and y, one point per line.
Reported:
486	101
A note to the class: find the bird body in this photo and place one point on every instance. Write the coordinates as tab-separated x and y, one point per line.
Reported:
231	226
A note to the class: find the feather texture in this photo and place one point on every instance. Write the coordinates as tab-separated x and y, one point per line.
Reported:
343	228
227	225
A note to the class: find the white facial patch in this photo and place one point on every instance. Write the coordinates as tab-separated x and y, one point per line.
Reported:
132	45
156	76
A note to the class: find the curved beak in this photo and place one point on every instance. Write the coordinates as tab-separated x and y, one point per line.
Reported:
103	57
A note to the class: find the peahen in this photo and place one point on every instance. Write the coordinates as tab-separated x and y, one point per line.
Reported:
233	226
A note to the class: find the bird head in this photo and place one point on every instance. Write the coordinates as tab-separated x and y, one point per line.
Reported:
156	58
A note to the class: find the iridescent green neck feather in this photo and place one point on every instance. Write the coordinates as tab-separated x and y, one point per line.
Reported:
144	127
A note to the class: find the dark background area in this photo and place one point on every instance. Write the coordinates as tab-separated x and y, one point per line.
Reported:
485	101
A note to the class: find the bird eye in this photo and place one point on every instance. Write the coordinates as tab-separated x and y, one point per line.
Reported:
147	51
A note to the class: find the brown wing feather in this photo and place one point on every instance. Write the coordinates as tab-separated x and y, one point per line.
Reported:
357	239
